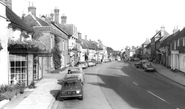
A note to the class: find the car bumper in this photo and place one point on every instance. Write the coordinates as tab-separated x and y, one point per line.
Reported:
150	69
70	96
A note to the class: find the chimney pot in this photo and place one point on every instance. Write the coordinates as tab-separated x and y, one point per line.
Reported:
32	9
56	10
63	19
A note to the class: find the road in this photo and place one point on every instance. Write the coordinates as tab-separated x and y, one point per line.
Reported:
118	85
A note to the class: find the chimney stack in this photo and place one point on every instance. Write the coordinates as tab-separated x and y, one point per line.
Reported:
63	19
85	37
56	10
32	9
175	30
162	31
79	35
51	16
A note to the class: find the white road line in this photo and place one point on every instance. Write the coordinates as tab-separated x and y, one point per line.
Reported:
135	83
158	97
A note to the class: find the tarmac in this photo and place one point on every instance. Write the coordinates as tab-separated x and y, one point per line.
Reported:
43	96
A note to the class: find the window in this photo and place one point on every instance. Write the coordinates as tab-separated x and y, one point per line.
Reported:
184	41
174	45
63	45
18	69
178	42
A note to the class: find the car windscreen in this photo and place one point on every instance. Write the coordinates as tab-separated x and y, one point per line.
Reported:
70	84
74	72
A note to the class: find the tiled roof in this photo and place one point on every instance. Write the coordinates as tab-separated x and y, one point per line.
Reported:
146	42
148	46
94	44
83	44
169	38
16	21
42	22
181	34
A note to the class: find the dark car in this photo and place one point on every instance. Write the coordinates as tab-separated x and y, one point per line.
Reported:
71	88
138	64
149	67
82	64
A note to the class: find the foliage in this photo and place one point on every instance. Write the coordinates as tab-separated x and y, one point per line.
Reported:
56	54
32	85
34	44
56	57
37	35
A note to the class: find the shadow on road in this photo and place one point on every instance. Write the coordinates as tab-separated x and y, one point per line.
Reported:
124	88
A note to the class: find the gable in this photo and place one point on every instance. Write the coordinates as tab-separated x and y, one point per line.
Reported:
31	21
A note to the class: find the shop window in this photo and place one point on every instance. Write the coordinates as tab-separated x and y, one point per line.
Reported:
18	69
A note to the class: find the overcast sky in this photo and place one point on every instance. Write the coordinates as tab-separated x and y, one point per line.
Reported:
117	23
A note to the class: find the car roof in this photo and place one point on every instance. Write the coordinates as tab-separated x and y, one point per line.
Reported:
66	79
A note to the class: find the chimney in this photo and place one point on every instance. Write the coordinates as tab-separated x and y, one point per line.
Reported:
79	35
162	31
63	19
32	9
85	37
175	30
51	16
56	10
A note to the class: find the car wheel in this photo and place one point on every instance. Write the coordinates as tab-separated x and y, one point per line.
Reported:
81	98
61	99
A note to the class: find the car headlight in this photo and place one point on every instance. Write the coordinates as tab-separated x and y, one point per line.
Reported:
78	91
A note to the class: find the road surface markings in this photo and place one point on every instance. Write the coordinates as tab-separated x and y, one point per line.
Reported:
125	75
135	83
158	97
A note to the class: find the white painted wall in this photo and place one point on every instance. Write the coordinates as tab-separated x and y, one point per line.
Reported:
4	55
182	62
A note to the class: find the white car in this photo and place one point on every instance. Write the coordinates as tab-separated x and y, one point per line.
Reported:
76	72
82	64
91	64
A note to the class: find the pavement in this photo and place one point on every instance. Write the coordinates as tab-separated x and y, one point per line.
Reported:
42	97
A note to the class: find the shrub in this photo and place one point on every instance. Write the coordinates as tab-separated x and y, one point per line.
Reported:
32	85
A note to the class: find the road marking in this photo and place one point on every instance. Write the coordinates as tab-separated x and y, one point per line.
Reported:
135	83
158	97
125	75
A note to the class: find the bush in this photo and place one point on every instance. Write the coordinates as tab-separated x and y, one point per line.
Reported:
32	85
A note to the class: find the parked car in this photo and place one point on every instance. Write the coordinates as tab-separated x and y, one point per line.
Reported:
149	67
76	72
94	61
90	63
138	64
136	59
71	87
82	64
143	63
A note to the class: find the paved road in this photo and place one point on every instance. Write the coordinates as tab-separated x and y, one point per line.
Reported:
128	88
119	85
93	96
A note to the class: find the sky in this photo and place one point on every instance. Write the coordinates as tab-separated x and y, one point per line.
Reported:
117	23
